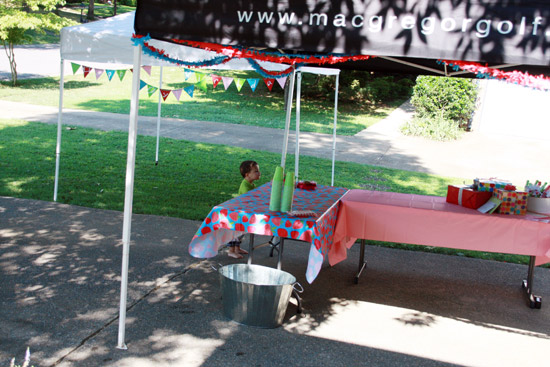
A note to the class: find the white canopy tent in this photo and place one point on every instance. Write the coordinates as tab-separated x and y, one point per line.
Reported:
107	44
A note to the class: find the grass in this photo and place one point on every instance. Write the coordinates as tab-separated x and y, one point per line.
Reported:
189	181
260	108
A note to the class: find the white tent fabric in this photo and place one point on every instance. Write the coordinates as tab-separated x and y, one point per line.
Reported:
107	44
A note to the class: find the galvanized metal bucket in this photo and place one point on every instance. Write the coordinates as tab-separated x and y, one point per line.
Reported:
255	295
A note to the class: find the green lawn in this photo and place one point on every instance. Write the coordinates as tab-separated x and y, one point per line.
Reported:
189	181
259	108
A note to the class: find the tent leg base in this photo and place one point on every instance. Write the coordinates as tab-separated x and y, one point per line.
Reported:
122	346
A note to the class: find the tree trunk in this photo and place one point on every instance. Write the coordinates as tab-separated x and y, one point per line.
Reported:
90	15
11	58
114	8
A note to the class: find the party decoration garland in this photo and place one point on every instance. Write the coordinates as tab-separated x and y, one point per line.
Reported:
250	55
517	77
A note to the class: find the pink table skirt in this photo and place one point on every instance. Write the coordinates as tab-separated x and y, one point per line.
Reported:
431	221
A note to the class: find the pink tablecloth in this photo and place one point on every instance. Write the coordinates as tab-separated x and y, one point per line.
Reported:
249	213
429	220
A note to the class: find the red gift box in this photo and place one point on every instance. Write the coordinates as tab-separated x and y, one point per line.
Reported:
467	197
307	185
513	202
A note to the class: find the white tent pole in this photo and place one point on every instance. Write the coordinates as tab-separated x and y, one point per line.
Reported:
287	119
59	115
158	118
129	196
297	147
334	127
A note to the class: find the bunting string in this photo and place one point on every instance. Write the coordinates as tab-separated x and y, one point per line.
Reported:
196	79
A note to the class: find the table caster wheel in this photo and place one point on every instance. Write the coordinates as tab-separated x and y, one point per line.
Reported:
535	302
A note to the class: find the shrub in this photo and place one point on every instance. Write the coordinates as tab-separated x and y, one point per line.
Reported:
454	98
359	86
436	128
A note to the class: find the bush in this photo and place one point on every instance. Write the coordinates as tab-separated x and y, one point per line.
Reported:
452	98
359	86
436	128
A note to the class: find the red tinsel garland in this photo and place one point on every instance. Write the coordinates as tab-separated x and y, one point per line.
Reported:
539	82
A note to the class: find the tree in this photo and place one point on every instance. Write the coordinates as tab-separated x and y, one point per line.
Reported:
18	17
91	8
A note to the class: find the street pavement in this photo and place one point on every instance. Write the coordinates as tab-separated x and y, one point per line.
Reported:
60	275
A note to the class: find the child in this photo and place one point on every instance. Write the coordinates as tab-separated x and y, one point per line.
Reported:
250	170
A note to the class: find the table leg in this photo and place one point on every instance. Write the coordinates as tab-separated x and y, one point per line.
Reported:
250	248
534	301
280	260
362	262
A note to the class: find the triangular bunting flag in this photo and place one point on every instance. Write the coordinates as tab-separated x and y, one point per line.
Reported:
269	82
199	77
147	69
151	90
177	93
202	84
189	90
253	83
98	73
86	70
110	74
282	81
121	74
227	81
215	80
75	67
142	84
239	83
188	74
164	93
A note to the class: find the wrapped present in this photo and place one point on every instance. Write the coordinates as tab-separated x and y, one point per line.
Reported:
466	196
513	202
490	184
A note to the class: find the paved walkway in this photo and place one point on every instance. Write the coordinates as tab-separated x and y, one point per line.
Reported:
60	267
475	155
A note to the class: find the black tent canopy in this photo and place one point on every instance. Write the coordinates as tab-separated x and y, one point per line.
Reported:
405	35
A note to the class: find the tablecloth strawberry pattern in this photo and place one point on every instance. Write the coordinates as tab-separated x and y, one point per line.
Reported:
249	213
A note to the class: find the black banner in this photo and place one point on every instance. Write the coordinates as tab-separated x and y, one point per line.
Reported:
505	31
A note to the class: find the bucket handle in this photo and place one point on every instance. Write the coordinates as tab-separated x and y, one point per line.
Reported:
216	269
298	287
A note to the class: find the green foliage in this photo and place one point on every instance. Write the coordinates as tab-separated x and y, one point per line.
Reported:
435	128
360	86
451	98
19	17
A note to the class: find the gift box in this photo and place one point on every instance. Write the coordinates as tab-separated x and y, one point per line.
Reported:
512	202
490	185
466	196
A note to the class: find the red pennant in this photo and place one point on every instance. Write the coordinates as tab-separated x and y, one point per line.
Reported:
215	80
165	93
87	70
269	82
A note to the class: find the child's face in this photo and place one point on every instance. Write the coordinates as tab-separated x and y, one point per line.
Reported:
254	174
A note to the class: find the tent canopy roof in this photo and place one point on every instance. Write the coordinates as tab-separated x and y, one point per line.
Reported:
108	42
493	32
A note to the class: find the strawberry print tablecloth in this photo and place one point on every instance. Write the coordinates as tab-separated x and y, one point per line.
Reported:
249	213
